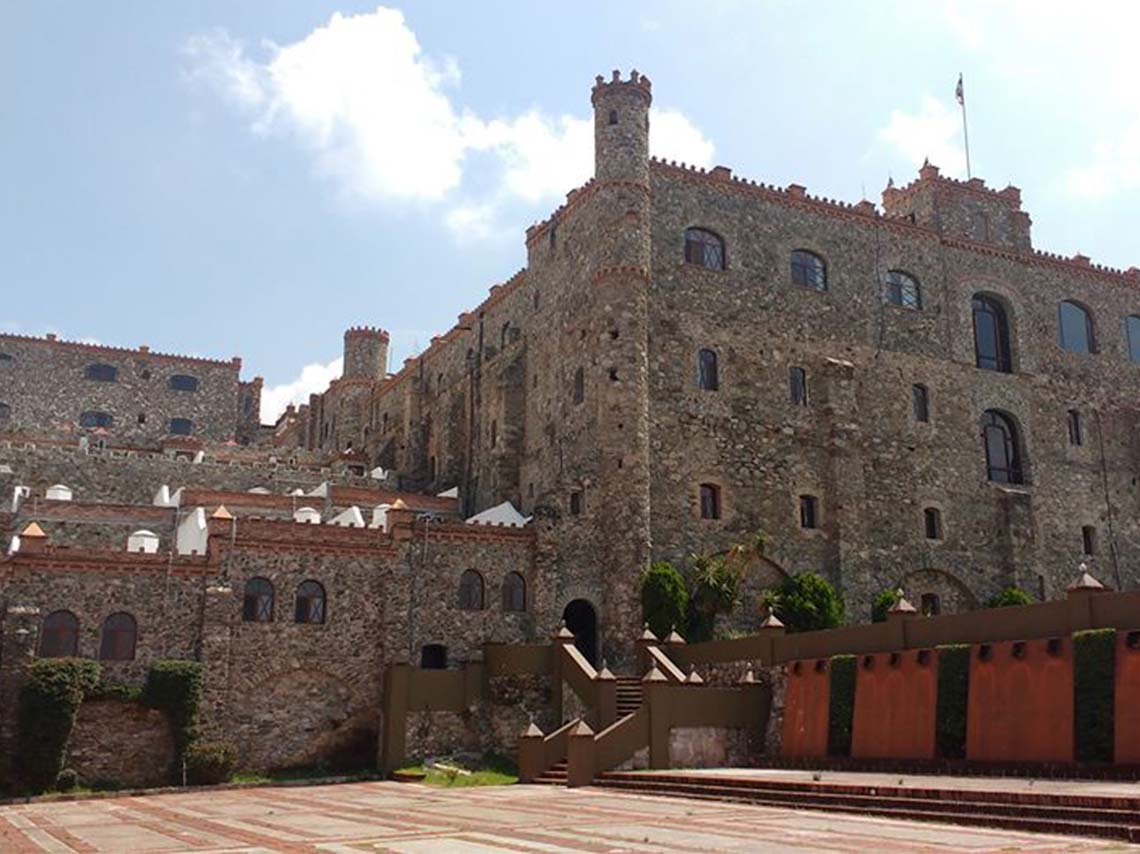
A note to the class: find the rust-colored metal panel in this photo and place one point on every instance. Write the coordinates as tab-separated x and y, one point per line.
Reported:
1127	706
806	702
1021	701
895	704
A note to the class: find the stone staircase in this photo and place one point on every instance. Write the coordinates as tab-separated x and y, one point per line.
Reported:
1066	814
629	695
555	775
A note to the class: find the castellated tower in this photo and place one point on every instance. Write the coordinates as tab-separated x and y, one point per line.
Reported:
619	278
365	352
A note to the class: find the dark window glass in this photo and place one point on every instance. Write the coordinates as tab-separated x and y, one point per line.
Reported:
809	511
494	433
931	606
1132	328
613	117
1076	437
710	501
93	418
433	656
184	382
920	402
575	503
59	635
102	373
579	385
310	605
5	413
181	427
991	335
902	289
257	604
1003	456
707	378
514	592
809	270
6	358
797	386
1088	540
1075	329
117	642
932	517
471	591
704	248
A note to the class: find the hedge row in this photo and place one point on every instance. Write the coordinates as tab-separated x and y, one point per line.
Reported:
953	700
841	714
1094	666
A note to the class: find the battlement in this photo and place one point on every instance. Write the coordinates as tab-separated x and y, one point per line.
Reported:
52	340
366	332
931	174
637	84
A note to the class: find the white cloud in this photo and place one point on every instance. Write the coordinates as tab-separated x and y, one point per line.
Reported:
934	132
379	119
313	379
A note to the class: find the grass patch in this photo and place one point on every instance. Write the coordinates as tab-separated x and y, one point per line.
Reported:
492	770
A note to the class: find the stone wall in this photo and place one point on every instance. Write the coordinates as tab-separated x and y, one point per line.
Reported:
708	747
121	742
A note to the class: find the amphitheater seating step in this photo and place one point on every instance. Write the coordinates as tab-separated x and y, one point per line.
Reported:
1076	815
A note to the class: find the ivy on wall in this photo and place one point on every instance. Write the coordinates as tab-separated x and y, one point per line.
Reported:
49	702
174	687
953	700
1094	660
841	711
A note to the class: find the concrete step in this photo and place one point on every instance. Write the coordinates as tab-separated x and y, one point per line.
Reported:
1040	813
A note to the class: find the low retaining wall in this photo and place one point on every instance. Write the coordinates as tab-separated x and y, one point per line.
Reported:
121	742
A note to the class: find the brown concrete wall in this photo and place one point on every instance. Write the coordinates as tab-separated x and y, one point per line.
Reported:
1127	700
896	697
806	699
1021	709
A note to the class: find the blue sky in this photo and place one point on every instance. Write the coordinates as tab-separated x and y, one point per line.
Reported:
250	178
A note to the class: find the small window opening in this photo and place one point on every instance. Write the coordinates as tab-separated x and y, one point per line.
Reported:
809	512
797	386
575	503
1076	437
1088	540
710	501
920	402
932	518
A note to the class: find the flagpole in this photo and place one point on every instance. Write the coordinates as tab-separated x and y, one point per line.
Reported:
965	128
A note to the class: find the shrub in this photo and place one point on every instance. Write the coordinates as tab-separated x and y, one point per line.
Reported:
67	780
1094	662
805	603
883	603
664	599
49	702
716	584
841	708
209	762
953	700
175	687
1009	597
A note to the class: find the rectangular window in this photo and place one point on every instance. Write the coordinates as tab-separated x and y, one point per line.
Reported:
1075	435
932	516
710	501
797	385
1088	539
920	401
575	503
809	511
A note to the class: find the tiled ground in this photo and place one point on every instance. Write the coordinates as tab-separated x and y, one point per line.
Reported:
378	817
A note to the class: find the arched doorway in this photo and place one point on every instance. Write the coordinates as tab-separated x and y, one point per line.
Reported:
582	620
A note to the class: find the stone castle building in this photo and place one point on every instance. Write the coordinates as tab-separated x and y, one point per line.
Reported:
904	396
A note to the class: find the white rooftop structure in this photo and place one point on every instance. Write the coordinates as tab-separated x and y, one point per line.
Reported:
500	514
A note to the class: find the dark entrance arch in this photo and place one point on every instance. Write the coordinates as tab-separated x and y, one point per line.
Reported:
582	620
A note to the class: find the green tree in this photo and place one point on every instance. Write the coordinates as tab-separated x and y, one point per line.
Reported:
716	585
1010	597
664	598
805	602
883	603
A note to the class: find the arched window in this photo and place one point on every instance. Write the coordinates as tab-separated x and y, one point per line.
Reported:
471	591
102	373
1075	328
93	418
704	248
707	375
809	270
183	382
1003	455
710	501
310	604
579	385
514	592
257	604
920	402
117	642
59	635
5	413
1132	331
180	427
902	289
433	656
991	335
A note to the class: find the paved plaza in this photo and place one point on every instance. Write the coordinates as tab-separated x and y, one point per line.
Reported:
379	817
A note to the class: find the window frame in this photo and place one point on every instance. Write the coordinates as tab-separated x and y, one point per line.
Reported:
59	649
179	423
1013	470
1132	340
1076	428
101	420
920	403
101	372
1089	328
809	512
258	602
897	284
471	582
705	248
579	390
308	592
708	370
178	382
992	311
514	592
932	524
1088	540
112	646
710	503
798	392
808	270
